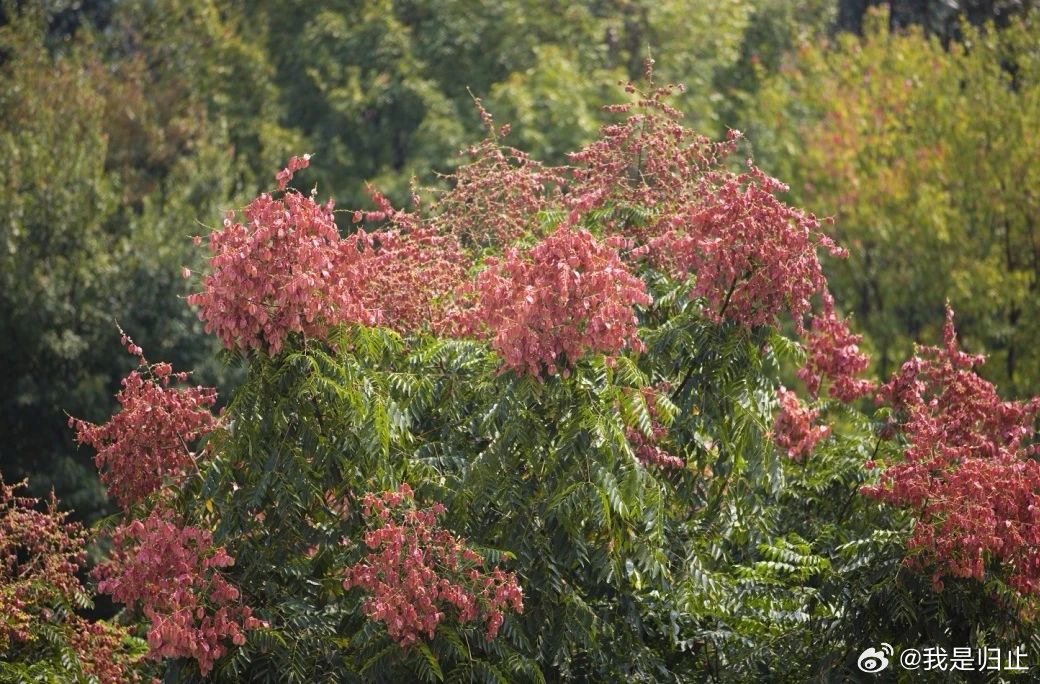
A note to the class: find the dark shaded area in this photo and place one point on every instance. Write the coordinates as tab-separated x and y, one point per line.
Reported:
938	17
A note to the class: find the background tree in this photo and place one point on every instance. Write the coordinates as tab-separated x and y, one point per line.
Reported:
112	140
880	132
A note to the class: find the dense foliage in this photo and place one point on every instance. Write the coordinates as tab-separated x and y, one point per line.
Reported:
584	466
592	415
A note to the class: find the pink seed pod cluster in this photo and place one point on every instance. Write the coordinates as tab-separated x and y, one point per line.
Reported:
151	436
751	256
794	430
648	449
41	553
498	196
416	570
295	164
649	160
100	648
834	355
568	296
172	573
650	453
968	471
412	280
414	269
283	270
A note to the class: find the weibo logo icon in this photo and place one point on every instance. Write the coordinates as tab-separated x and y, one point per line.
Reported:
874	660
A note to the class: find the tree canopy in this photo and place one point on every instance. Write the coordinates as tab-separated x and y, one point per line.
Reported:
595	398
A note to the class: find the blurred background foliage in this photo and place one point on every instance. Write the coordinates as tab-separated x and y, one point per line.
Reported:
127	126
927	158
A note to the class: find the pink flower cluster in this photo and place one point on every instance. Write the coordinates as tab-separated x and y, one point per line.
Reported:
150	438
753	257
793	429
650	160
40	554
498	196
968	474
172	572
284	270
414	269
834	354
568	296
648	448
415	570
